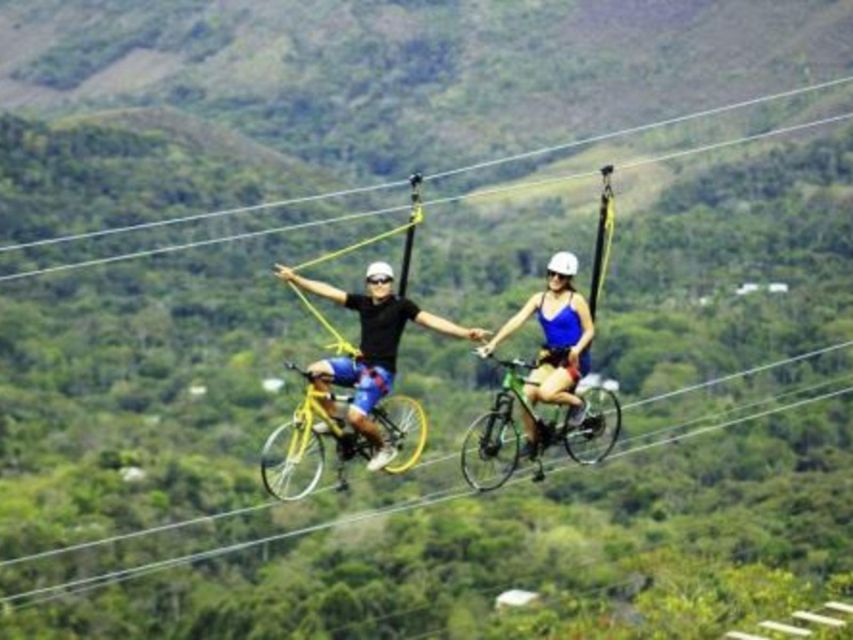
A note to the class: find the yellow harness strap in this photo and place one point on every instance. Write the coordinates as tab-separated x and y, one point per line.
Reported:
417	218
341	345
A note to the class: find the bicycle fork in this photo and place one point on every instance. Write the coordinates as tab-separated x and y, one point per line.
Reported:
345	450
539	474
501	409
545	436
343	483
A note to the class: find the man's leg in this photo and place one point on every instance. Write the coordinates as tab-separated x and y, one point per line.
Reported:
373	384
365	426
338	370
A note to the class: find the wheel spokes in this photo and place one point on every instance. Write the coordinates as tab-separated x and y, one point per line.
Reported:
594	438
489	452
289	471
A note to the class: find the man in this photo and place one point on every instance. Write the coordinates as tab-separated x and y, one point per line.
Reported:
383	319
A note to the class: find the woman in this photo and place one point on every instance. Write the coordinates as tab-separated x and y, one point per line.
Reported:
567	324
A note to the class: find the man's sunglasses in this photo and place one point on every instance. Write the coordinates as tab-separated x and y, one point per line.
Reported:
554	274
378	280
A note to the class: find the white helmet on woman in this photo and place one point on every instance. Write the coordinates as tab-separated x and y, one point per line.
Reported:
380	269
564	262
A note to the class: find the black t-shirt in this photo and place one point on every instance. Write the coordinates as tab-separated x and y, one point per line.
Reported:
382	327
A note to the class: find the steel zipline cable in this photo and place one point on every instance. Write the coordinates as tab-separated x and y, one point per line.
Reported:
207	519
642	128
739	374
421	502
628	165
750	405
436	176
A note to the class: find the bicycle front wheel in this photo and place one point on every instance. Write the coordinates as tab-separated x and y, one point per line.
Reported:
289	472
405	421
595	437
490	451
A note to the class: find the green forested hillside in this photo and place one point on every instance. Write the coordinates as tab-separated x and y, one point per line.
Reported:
683	540
386	86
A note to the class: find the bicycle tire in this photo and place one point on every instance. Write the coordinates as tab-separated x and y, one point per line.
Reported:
592	441
490	451
285	477
408	428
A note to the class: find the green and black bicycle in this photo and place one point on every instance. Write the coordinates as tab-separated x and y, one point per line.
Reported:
491	449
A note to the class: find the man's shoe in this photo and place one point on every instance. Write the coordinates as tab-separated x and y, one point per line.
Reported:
577	415
382	457
321	428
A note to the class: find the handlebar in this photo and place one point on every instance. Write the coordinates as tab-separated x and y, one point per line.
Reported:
515	363
310	377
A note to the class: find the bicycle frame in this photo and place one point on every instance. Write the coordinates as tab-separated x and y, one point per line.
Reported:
306	413
514	383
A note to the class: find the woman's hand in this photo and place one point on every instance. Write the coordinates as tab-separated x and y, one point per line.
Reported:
574	357
486	350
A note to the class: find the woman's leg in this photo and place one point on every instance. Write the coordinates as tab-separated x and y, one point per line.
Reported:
556	389
532	392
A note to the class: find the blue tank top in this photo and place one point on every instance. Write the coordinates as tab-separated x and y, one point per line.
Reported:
564	331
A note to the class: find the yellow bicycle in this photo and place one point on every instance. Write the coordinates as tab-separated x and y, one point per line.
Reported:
293	457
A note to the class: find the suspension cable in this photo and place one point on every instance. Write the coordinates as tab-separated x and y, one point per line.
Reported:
739	374
436	176
199	216
719	414
640	129
202	243
729	423
440	201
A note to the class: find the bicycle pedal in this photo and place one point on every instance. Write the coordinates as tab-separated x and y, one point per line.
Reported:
539	474
342	486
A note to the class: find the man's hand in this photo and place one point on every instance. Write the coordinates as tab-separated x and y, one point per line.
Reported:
478	335
285	273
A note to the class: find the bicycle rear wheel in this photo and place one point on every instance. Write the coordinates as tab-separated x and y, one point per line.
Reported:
490	451
595	437
405	422
287	474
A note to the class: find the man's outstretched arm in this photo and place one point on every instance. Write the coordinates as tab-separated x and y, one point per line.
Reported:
312	286
442	325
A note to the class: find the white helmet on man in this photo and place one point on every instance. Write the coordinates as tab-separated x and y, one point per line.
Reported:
380	269
564	262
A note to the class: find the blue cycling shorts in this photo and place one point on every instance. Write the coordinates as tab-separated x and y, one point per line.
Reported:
368	390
